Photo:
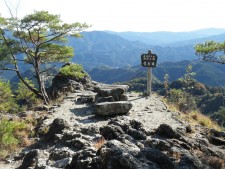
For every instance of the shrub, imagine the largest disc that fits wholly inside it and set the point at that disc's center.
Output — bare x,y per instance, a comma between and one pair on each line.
74,70
193,87
7,102
211,103
219,116
166,84
176,96
182,100
24,95
177,84
11,134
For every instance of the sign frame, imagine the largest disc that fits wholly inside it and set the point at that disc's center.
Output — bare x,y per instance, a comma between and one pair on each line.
149,59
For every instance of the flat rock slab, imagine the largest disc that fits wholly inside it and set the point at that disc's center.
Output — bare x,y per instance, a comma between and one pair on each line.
110,90
113,108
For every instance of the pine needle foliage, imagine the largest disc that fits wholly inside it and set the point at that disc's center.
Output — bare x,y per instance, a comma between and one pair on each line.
73,70
7,102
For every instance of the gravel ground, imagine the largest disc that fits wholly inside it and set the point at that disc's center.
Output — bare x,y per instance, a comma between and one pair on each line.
151,111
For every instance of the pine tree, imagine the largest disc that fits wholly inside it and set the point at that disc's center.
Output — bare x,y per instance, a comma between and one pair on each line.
40,38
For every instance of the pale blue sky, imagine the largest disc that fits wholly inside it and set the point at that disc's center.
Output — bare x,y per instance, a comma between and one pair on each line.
131,15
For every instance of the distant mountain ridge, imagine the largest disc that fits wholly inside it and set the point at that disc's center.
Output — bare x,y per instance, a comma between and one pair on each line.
165,37
99,48
211,74
218,38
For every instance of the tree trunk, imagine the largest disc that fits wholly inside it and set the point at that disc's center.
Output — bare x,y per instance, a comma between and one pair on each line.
41,84
43,91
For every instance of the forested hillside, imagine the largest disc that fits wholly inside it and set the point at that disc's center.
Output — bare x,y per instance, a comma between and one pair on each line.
100,48
211,74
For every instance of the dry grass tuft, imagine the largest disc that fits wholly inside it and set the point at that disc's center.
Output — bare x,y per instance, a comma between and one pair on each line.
99,143
214,162
198,118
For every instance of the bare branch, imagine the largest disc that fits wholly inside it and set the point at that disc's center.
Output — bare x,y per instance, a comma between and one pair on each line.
46,70
10,11
17,7
213,60
9,69
20,60
30,36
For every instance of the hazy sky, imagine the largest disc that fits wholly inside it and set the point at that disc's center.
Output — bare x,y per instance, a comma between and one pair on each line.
131,15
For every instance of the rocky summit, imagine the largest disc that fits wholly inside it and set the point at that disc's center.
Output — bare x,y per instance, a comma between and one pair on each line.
105,127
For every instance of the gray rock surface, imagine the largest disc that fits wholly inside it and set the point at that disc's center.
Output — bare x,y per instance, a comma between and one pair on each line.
113,108
57,127
111,92
149,136
62,85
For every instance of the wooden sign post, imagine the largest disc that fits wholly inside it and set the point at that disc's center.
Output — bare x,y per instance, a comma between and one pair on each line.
149,60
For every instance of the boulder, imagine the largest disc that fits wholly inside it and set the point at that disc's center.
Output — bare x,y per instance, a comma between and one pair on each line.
116,91
113,108
84,159
29,159
158,157
118,160
105,99
109,90
159,144
167,131
117,155
110,132
136,134
190,161
61,153
217,141
57,127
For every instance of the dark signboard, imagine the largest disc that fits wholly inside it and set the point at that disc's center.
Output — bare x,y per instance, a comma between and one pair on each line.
149,59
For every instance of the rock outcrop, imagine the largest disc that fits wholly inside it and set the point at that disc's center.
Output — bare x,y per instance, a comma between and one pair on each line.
62,84
126,144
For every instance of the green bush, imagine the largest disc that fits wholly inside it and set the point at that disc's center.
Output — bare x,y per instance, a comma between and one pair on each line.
7,102
8,134
176,96
24,95
193,87
211,103
219,116
73,70
182,100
